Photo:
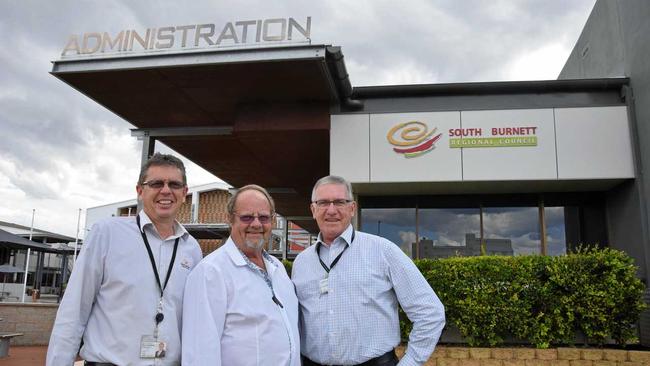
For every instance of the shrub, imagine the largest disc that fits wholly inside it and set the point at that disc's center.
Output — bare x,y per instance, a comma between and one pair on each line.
542,300
287,266
598,287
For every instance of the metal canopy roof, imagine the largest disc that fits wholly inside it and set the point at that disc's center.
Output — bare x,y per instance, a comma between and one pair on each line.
9,240
245,115
208,231
38,235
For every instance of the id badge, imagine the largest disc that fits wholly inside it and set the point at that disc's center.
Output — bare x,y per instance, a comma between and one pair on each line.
150,347
323,284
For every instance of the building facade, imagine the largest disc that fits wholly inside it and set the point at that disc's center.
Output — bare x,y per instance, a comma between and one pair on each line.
508,168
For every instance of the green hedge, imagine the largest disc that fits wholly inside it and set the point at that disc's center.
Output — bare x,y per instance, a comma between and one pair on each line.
538,299
287,265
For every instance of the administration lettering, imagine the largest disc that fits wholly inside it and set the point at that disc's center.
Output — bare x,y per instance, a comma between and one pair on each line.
190,36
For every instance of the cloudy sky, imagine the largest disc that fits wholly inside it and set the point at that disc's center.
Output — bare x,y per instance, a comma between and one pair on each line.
60,151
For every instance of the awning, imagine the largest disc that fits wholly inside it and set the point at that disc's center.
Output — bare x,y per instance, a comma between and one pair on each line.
9,240
254,115
208,231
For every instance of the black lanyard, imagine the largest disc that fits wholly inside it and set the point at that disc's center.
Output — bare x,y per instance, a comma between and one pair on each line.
325,267
153,262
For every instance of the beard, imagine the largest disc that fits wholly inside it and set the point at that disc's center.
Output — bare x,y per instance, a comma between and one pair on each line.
252,244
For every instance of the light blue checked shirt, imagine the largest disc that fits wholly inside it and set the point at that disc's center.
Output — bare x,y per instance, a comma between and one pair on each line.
356,319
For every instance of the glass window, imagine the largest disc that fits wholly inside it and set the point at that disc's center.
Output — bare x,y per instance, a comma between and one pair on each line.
511,230
446,232
299,239
555,230
446,226
394,224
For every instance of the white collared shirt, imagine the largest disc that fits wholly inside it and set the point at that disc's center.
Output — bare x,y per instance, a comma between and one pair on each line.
230,319
112,295
356,319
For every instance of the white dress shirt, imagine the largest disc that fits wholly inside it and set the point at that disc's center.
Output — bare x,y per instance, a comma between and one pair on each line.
230,319
112,295
357,319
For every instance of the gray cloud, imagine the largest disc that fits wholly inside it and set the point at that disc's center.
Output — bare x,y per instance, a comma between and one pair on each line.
60,149
463,40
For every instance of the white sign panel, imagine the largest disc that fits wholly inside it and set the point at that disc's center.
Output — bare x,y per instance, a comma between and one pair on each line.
350,147
500,145
593,143
413,147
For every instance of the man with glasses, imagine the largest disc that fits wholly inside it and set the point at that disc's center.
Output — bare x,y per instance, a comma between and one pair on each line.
240,307
124,297
349,285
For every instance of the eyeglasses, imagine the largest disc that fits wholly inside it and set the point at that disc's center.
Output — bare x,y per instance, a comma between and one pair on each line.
263,219
326,203
159,184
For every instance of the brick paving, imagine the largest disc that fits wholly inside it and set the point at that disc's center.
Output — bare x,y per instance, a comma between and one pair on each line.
27,356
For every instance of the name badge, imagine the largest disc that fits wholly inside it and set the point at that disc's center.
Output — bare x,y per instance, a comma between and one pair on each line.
323,284
151,347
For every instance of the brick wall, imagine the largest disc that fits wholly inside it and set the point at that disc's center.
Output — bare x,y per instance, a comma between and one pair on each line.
185,212
212,206
209,245
35,321
466,356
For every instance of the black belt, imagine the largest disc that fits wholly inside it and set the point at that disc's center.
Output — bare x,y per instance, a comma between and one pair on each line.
89,363
387,359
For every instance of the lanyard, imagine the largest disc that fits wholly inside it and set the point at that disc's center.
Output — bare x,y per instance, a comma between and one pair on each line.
159,315
325,267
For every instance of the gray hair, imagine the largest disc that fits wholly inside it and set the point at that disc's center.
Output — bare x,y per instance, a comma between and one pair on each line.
332,179
159,159
250,187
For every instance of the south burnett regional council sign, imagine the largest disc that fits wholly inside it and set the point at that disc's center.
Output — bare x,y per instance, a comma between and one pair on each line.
499,137
415,139
237,33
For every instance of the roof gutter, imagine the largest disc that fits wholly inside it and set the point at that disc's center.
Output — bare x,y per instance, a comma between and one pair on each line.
503,87
337,69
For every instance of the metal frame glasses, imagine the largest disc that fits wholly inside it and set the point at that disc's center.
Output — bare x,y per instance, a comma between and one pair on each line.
323,204
263,219
159,184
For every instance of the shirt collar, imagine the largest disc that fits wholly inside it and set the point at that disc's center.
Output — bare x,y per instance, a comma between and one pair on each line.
239,258
346,236
179,230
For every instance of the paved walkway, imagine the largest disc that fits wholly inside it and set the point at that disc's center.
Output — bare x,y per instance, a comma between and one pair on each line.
25,356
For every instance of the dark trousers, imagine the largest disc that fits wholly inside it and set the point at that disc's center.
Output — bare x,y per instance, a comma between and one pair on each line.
387,359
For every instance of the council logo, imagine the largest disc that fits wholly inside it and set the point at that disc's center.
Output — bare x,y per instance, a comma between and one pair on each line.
412,138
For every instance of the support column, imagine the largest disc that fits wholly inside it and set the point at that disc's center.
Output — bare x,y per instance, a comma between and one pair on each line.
148,147
285,232
38,275
62,278
194,217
